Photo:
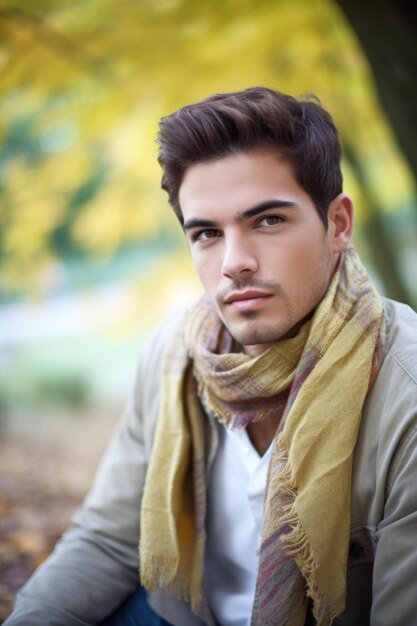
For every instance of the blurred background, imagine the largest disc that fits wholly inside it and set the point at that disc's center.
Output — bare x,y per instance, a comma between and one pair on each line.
91,256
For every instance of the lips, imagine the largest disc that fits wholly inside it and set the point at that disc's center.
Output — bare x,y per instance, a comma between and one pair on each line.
246,295
247,300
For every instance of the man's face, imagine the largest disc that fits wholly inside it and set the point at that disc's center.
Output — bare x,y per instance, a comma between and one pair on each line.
259,247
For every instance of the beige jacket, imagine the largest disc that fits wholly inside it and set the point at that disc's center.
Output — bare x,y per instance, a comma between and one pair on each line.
95,565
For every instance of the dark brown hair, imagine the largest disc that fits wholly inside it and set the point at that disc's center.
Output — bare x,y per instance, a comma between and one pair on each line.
223,124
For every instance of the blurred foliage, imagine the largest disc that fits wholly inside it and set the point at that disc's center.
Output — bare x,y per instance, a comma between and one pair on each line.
79,350
45,391
83,86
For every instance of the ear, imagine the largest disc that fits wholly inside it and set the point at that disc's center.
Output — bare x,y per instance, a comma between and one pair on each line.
340,218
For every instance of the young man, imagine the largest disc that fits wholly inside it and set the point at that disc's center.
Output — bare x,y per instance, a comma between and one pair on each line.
269,453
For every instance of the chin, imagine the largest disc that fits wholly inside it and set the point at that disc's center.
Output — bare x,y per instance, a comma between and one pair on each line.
256,333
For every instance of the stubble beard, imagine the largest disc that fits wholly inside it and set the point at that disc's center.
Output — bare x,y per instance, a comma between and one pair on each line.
249,329
255,332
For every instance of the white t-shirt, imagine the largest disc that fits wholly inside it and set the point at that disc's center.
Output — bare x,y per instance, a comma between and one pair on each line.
234,523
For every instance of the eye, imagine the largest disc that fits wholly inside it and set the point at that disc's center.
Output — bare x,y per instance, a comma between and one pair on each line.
205,235
270,220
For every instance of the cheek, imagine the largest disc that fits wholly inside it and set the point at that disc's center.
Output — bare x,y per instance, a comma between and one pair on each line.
205,268
305,269
289,262
317,273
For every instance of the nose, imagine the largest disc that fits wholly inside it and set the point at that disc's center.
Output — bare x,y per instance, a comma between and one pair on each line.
238,258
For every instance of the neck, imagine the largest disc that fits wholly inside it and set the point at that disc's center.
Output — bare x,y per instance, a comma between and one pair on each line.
262,433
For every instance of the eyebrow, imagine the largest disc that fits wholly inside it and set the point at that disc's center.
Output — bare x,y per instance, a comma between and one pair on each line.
264,206
242,215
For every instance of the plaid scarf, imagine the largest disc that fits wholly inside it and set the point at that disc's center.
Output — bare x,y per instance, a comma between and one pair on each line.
324,374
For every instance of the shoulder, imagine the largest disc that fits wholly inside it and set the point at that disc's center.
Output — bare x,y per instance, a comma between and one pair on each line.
389,420
149,370
393,398
400,339
387,438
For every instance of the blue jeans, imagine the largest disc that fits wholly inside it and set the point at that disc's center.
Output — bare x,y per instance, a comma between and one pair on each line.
135,611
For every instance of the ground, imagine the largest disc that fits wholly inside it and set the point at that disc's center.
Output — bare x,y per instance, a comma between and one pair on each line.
45,472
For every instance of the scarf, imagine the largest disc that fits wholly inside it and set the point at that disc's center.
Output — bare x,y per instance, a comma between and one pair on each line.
323,374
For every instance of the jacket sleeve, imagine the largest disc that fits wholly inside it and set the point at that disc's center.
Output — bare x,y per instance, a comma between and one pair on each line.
94,567
395,565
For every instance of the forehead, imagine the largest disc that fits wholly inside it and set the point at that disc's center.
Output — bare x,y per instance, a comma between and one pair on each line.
238,180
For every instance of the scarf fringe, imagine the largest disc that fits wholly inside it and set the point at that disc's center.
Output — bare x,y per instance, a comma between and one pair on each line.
161,573
157,571
296,542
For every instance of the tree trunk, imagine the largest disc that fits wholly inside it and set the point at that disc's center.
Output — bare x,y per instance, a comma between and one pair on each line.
387,30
